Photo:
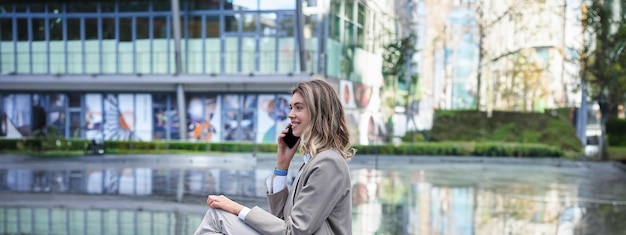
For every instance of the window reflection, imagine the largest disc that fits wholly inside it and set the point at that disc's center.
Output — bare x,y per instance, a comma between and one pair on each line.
160,27
231,23
39,32
277,5
243,4
249,22
6,29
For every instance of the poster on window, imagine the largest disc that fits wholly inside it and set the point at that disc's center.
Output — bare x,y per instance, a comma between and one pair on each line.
346,93
119,118
231,110
248,118
15,118
93,116
202,118
272,117
212,112
143,117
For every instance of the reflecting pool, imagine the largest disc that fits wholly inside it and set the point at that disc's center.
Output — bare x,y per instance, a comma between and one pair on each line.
408,195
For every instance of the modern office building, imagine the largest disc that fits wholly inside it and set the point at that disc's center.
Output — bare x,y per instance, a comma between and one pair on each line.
199,70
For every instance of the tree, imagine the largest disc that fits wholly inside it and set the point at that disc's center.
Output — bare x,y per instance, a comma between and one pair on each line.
488,18
397,57
603,61
524,84
483,25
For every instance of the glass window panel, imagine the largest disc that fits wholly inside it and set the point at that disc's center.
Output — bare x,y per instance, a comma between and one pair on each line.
248,118
22,29
38,115
134,6
56,29
349,9
126,30
213,26
277,5
20,7
335,28
37,7
174,121
310,26
73,29
163,5
311,3
107,6
248,47
243,4
194,27
360,37
91,28
159,109
267,43
143,27
230,118
286,26
39,31
250,22
6,7
231,51
108,28
361,15
348,33
160,27
268,24
204,5
57,101
335,7
6,29
75,125
55,7
84,6
56,116
231,22
74,100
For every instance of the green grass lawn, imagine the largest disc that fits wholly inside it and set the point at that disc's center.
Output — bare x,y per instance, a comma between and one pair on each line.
617,152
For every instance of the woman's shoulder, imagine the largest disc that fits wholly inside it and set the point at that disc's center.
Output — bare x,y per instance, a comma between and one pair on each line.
330,155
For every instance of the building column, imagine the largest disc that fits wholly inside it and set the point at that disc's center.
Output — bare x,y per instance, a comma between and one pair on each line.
180,93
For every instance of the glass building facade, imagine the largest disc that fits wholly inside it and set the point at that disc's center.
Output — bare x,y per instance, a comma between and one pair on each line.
108,69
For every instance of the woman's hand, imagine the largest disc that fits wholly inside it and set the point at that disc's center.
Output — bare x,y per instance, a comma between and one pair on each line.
224,203
285,154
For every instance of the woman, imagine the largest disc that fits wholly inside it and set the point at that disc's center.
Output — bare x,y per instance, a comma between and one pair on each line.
320,199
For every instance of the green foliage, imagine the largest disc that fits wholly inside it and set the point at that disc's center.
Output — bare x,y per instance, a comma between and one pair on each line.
617,153
507,127
488,149
412,137
616,132
603,57
397,53
24,146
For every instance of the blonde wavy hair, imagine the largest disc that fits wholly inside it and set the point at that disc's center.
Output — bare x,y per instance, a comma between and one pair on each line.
327,128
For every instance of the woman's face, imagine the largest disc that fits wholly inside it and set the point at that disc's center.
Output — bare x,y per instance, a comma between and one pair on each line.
299,114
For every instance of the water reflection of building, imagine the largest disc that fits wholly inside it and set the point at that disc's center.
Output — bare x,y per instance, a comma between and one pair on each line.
135,181
418,199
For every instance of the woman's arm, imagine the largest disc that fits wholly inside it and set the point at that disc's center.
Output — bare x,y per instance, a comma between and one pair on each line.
321,186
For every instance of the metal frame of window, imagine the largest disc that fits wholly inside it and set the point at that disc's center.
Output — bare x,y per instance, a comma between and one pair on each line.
99,15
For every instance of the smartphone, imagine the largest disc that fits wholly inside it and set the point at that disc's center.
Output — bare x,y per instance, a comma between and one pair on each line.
290,139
